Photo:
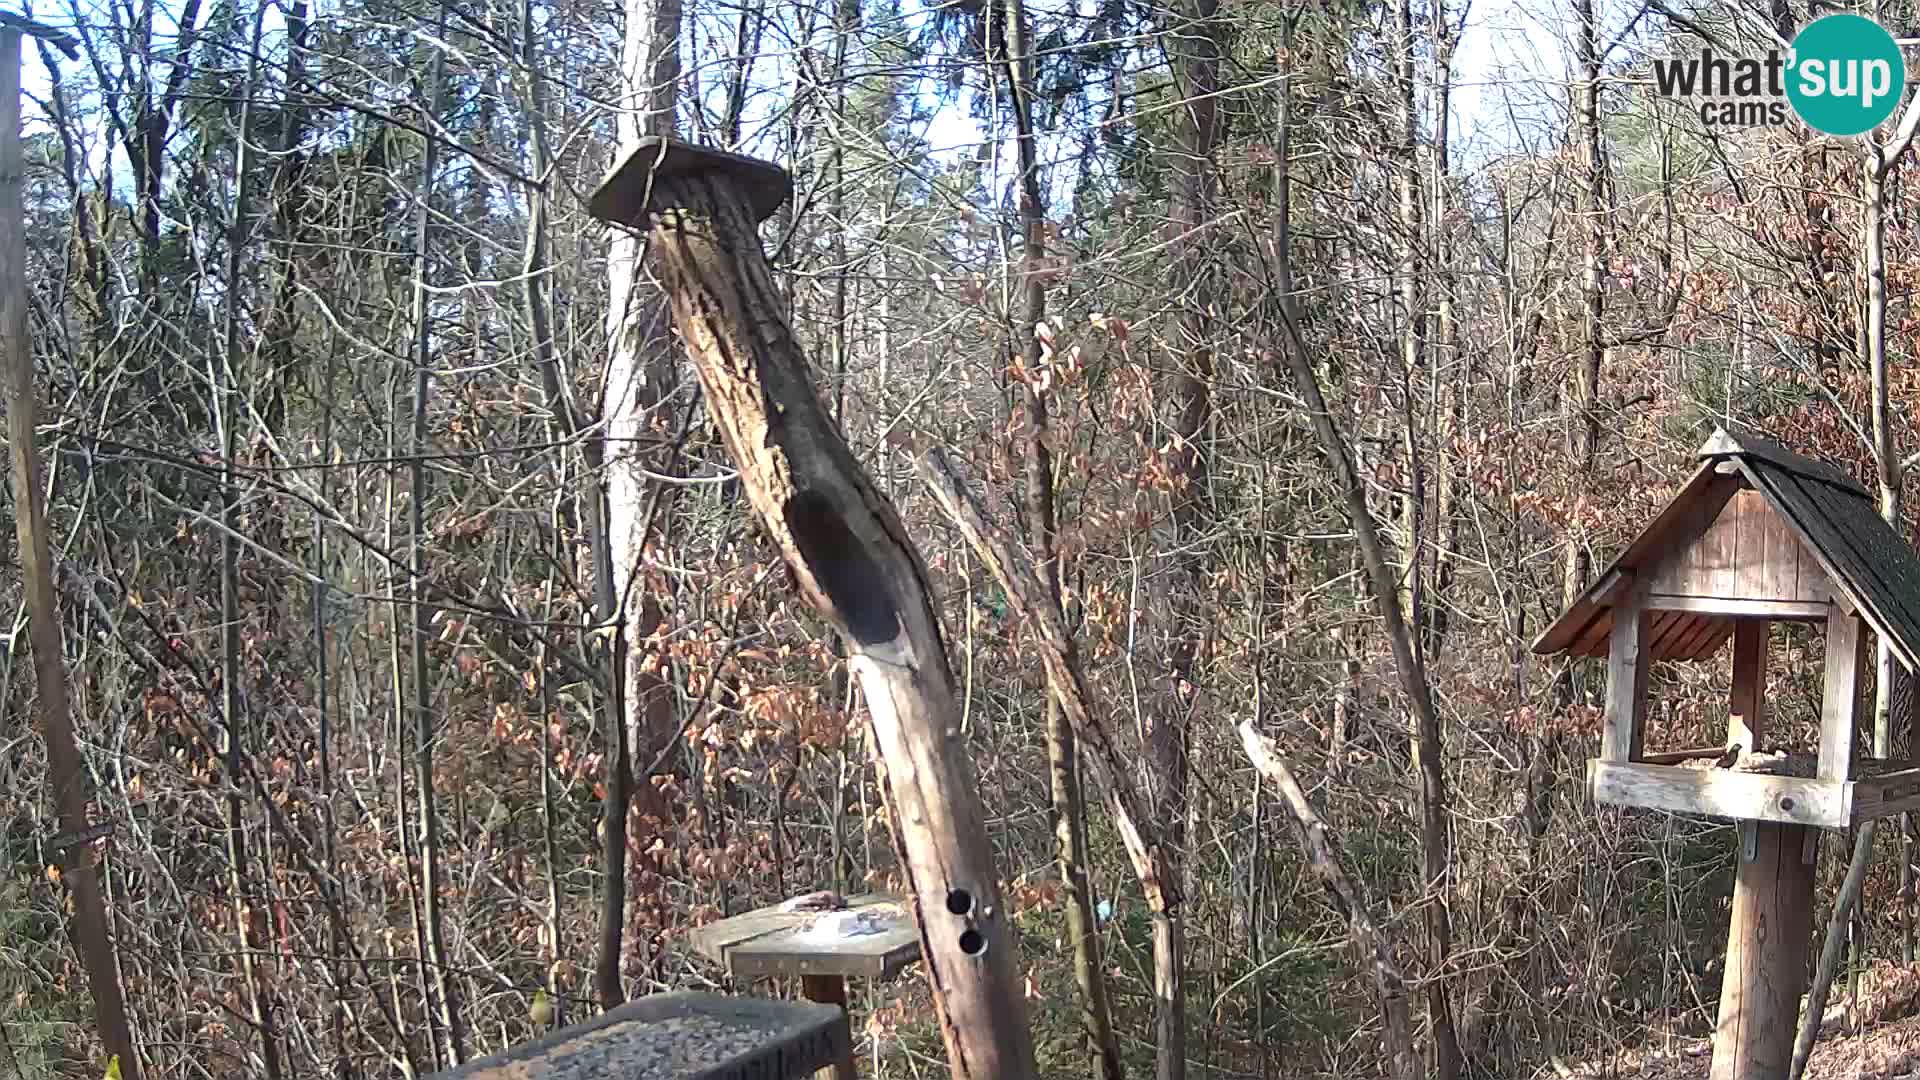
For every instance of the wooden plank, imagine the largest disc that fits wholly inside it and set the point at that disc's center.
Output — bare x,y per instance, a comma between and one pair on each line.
1627,664
1664,630
1840,695
1766,966
1674,757
1699,630
1745,710
1721,793
1886,795
722,938
1719,630
1780,610
1593,637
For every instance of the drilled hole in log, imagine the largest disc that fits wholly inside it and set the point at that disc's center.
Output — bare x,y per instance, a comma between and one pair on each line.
960,902
972,942
843,567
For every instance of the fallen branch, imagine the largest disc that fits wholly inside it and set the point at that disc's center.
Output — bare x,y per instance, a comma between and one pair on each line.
1323,858
1830,952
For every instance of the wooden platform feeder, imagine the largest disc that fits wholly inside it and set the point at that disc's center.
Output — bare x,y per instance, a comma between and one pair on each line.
682,1036
1758,535
872,937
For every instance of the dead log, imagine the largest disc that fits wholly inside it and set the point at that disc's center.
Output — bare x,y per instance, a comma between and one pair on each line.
1323,857
850,559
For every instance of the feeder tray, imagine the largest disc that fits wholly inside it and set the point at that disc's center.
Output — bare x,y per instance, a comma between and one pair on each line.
680,1036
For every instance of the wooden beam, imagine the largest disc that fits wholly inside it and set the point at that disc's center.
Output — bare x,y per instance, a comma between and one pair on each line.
1767,942
1721,793
1612,586
1886,795
1840,695
1675,757
1628,659
1779,610
1745,711
830,990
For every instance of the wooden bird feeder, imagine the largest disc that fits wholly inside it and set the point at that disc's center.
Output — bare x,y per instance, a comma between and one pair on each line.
771,941
1758,535
680,1036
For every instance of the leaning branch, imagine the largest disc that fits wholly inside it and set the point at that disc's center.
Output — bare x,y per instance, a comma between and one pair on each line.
1323,858
1037,606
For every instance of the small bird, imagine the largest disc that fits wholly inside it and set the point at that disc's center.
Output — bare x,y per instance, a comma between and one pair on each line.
113,1068
1730,757
541,1010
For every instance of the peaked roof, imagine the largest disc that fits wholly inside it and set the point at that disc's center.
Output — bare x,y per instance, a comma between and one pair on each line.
1868,564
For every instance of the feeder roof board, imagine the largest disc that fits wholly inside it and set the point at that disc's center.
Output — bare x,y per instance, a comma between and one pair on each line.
1864,563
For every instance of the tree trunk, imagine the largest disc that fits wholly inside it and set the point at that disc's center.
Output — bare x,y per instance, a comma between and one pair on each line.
1068,806
1584,436
1430,777
852,562
1193,50
249,911
638,712
441,1004
87,928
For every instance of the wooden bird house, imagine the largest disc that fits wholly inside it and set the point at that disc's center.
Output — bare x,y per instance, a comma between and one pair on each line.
1758,535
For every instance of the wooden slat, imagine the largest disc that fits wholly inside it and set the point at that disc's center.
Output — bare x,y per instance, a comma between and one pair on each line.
1593,639
1781,610
1664,629
1701,630
1627,662
1718,631
1746,708
1674,757
1721,793
1840,695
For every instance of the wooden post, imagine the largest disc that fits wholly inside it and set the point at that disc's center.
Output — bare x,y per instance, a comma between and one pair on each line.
87,926
1767,946
1628,658
850,560
830,990
1746,711
1840,695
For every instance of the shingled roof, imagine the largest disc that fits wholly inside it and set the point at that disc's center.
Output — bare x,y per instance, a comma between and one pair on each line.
1832,515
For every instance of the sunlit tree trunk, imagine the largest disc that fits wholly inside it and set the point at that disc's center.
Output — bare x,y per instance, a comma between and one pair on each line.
639,379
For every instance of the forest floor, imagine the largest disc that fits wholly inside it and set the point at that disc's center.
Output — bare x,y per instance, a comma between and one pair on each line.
1886,1047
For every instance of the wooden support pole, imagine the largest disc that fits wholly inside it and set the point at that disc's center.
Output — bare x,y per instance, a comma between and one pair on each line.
1840,695
830,990
1767,946
850,560
1746,711
1628,658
